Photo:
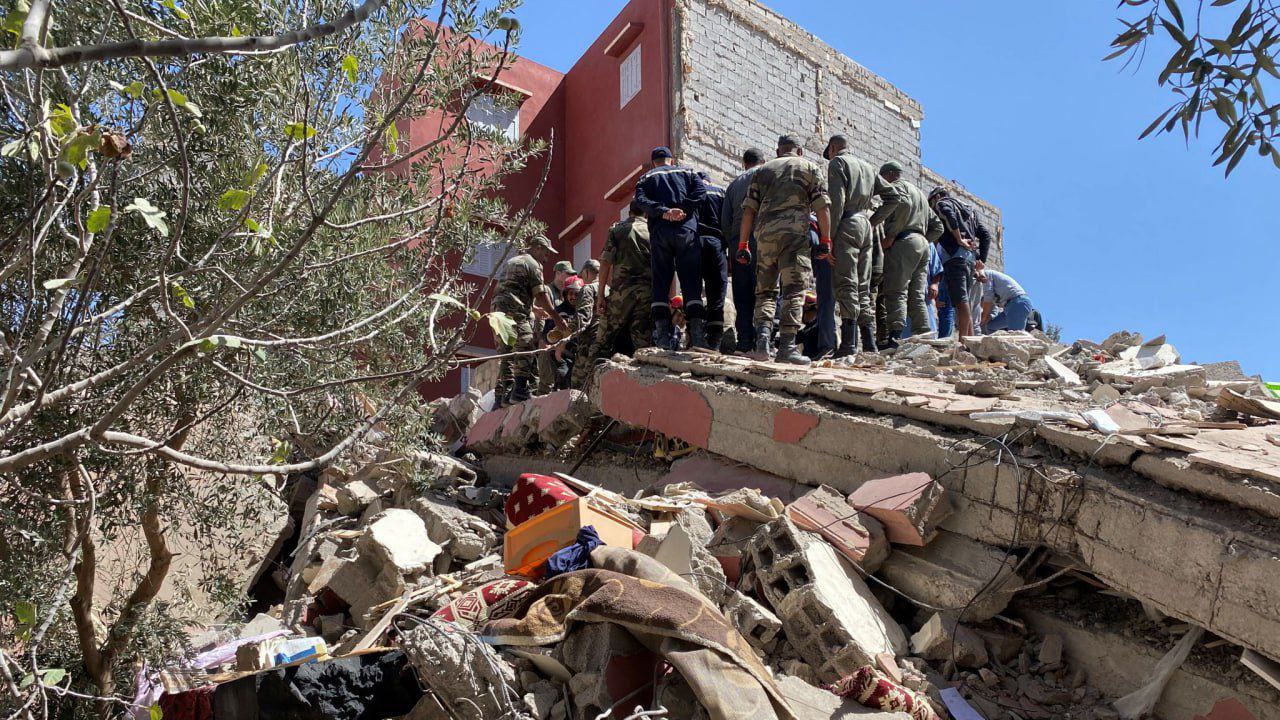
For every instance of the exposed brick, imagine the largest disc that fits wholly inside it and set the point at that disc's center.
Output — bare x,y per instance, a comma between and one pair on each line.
910,506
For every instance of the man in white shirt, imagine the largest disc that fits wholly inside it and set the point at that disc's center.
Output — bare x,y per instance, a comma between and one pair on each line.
999,291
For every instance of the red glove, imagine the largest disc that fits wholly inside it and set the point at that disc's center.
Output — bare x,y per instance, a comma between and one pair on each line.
824,248
744,254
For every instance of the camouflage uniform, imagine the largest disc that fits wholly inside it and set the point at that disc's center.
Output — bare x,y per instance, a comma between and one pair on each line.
783,193
853,184
586,327
521,282
628,303
911,224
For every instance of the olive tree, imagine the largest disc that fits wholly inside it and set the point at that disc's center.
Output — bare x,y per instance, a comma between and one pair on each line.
1222,66
224,261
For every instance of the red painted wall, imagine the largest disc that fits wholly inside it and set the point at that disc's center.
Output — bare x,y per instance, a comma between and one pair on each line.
604,142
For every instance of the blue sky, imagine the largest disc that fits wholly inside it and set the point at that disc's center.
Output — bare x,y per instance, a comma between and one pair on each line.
1104,231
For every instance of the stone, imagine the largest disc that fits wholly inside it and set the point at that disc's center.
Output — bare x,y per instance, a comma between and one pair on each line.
608,664
828,613
540,698
954,573
754,622
910,506
1050,654
1104,394
398,538
463,673
853,533
466,536
331,627
728,543
1007,347
984,388
261,624
355,496
814,703
1002,646
946,640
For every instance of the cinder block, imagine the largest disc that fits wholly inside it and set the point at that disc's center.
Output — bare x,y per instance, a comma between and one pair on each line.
754,621
827,611
910,506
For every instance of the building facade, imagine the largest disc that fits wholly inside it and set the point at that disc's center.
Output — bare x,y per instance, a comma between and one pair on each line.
709,78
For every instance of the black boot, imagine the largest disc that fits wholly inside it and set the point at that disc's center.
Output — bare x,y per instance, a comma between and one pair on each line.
787,352
663,334
520,392
848,340
697,333
715,337
764,341
868,335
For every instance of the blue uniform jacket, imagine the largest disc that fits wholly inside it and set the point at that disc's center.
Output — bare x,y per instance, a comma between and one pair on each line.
671,186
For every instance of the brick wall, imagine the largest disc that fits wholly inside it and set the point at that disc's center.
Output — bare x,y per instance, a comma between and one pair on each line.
745,74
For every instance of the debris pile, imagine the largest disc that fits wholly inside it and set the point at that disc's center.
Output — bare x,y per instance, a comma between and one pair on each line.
419,586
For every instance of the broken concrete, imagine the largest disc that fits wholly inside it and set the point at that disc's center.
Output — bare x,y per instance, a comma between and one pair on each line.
399,540
464,535
827,611
910,506
948,641
552,419
855,534
954,573
1073,492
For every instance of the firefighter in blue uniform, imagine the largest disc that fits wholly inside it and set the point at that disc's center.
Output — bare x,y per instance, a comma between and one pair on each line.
670,195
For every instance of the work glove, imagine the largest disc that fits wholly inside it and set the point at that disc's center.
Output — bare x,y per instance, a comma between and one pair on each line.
824,249
744,254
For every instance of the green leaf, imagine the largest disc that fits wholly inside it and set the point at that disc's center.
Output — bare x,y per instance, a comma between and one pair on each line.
508,23
299,131
12,148
182,14
234,199
351,67
390,136
235,31
151,215
57,283
257,173
14,20
181,295
282,450
98,219
156,713
61,122
134,89
77,151
260,353
232,341
27,680
52,676
181,101
25,612
503,327
1176,12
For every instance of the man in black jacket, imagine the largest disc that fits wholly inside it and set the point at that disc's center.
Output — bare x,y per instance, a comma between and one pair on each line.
963,247
670,195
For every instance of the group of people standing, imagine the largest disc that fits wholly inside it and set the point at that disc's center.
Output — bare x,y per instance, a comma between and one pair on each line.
797,240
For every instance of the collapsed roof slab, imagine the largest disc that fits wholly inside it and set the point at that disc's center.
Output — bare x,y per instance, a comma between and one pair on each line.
1206,561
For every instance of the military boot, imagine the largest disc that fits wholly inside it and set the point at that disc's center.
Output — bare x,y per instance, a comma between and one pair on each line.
715,337
868,335
663,334
764,341
697,333
848,340
520,392
788,353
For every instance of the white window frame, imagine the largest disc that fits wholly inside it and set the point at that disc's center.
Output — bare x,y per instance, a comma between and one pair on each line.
465,379
630,76
484,112
585,240
488,259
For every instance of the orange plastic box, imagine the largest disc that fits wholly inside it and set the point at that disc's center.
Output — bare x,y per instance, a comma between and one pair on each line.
530,543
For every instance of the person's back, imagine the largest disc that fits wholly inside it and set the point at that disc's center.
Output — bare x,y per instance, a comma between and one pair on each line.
785,190
734,196
1000,291
1001,288
521,278
906,210
627,249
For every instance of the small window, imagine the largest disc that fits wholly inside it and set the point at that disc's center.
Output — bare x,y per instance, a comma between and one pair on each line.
582,252
629,77
466,379
488,258
489,112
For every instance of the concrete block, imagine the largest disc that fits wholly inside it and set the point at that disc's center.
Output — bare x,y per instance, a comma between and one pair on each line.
855,534
608,665
950,572
910,506
942,640
398,539
355,496
827,611
553,419
754,622
466,536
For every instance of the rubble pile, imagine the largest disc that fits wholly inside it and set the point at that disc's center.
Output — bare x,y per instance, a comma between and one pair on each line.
419,586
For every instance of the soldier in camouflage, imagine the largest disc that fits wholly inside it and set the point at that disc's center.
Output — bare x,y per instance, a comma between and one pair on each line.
519,291
909,226
586,326
625,295
852,184
783,193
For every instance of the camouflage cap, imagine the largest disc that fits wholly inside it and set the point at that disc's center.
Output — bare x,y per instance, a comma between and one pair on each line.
541,241
564,266
891,166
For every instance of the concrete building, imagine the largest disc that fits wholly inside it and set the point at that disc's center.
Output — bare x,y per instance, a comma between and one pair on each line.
676,72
